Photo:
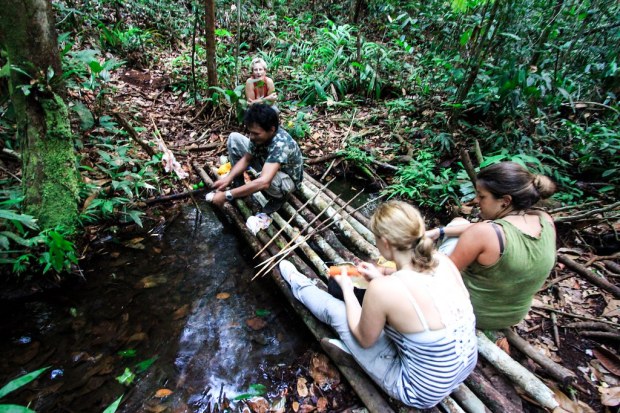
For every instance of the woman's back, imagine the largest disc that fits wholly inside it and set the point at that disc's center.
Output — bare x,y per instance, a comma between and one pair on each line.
432,324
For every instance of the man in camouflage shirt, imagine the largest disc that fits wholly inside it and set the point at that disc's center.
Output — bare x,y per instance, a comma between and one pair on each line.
271,151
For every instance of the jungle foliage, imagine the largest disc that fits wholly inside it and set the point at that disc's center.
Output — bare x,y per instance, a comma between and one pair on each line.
527,80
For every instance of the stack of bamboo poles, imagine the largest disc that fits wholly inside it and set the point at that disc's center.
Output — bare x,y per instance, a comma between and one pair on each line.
319,229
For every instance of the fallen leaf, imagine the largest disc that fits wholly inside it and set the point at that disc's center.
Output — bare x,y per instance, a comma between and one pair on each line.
610,396
151,281
321,404
323,372
305,408
256,323
612,309
608,359
295,406
302,389
222,296
138,337
503,344
161,393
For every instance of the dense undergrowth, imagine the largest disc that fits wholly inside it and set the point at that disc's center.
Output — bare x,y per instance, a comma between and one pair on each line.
519,80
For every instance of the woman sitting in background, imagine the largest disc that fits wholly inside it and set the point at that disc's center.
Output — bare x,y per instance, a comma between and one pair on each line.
506,258
414,334
259,88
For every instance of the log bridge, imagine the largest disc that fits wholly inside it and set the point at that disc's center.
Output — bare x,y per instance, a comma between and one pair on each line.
314,227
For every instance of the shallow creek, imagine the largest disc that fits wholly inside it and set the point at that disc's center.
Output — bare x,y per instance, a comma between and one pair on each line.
183,299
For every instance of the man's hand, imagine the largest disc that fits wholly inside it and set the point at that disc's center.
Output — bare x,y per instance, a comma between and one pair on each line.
222,183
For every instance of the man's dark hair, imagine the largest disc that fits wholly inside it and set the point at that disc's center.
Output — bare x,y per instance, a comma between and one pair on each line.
262,115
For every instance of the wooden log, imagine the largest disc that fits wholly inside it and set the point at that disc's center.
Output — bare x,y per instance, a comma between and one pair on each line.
589,275
356,214
360,242
492,398
518,374
468,400
562,374
450,406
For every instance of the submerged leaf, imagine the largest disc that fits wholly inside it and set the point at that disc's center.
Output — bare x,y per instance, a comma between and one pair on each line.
20,381
161,393
112,408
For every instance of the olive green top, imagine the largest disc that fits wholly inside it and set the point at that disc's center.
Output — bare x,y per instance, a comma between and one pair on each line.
502,293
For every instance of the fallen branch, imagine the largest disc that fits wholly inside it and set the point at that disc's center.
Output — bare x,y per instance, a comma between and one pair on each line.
600,334
587,214
133,134
589,275
555,370
518,374
581,317
612,266
206,147
591,325
174,197
324,158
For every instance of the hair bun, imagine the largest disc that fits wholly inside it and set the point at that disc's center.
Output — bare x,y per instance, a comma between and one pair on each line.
544,185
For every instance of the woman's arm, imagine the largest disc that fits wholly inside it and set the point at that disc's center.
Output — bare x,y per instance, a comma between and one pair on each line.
449,231
365,322
478,241
249,91
272,96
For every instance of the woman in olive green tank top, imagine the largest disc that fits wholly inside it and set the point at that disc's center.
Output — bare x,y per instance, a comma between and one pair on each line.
506,258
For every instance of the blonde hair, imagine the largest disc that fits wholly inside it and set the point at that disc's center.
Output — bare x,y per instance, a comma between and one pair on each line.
258,60
403,226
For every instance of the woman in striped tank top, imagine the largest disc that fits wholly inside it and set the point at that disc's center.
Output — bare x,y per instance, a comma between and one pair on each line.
414,333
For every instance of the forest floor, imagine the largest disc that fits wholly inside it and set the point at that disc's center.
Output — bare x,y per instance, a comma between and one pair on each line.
582,336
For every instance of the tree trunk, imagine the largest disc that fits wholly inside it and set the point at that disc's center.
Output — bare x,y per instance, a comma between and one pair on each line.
478,55
210,34
49,172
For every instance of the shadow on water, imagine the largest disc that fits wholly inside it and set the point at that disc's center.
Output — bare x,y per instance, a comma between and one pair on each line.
185,300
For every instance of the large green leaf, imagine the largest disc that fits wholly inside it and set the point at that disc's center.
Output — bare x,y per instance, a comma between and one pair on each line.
20,381
14,408
112,408
27,220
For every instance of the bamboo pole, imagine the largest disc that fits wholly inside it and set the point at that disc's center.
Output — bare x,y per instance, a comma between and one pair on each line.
468,400
518,374
347,230
356,214
320,203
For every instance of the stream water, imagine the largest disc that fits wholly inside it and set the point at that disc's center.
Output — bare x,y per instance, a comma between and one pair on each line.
182,301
